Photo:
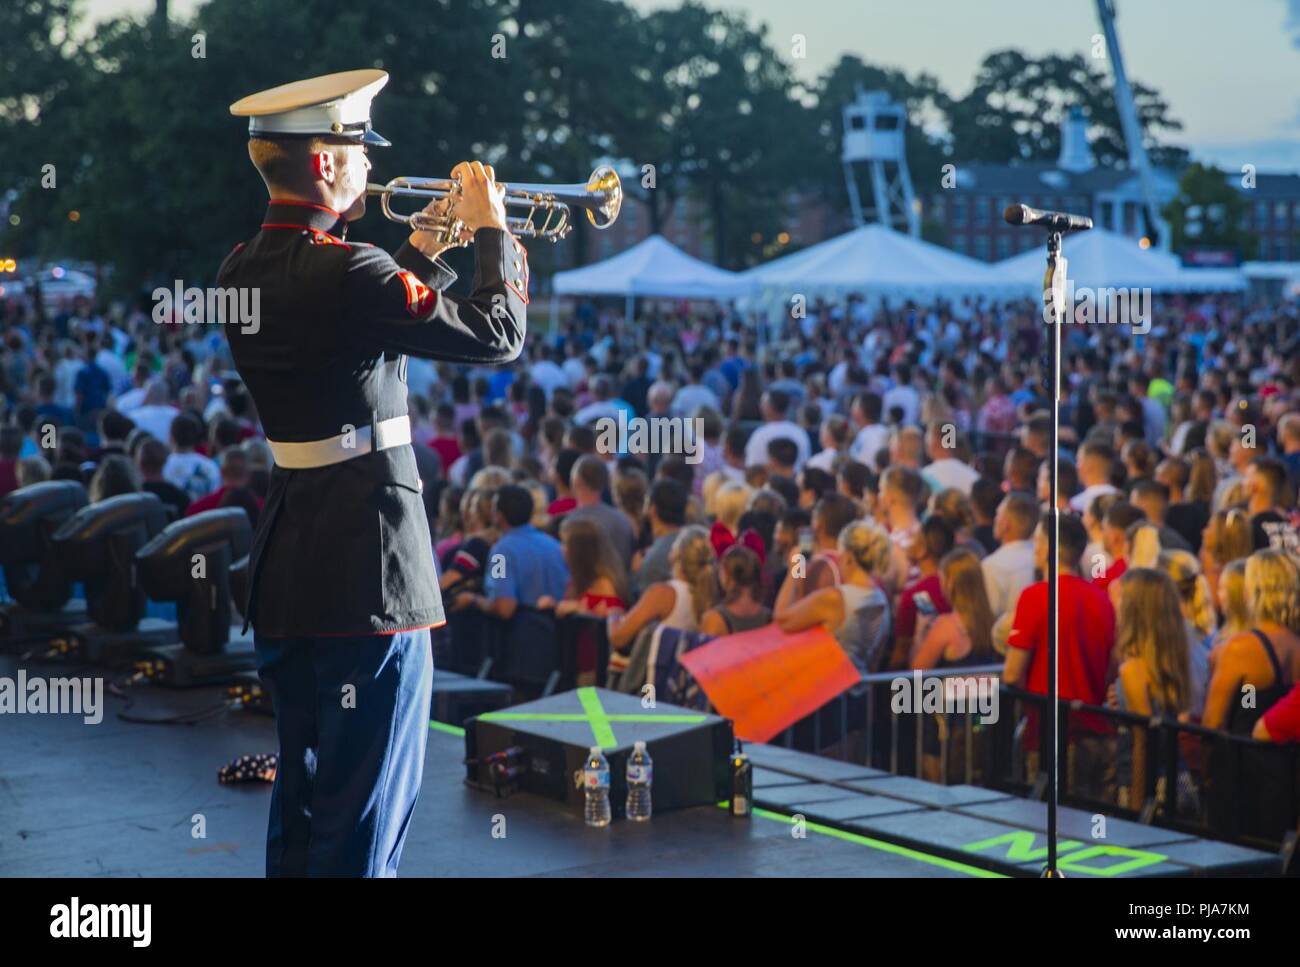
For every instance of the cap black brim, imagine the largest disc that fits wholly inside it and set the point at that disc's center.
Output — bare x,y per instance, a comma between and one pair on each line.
375,138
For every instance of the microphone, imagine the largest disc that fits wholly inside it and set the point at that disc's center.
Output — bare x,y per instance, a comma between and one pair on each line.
1054,221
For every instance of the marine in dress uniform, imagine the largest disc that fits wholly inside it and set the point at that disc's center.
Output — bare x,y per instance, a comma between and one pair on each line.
343,589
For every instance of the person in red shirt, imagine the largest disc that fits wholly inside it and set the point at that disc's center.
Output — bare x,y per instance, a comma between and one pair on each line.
234,474
1114,538
1281,723
1084,654
445,441
931,545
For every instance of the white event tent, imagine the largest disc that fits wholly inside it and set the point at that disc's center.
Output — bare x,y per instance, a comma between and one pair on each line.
875,260
653,268
1100,259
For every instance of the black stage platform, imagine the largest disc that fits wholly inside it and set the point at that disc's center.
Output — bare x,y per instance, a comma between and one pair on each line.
120,799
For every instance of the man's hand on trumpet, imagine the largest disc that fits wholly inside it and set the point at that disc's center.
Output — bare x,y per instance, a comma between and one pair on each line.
479,204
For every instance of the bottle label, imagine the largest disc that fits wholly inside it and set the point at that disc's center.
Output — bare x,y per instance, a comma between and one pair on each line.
596,778
637,774
740,805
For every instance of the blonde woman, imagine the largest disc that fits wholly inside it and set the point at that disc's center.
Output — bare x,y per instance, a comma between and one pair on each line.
679,602
856,611
1227,538
1141,549
964,635
1231,599
1193,591
1265,659
729,503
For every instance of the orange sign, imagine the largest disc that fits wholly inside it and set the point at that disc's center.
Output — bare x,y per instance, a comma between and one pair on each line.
765,680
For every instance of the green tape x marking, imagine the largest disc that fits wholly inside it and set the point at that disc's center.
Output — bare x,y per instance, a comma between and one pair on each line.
593,713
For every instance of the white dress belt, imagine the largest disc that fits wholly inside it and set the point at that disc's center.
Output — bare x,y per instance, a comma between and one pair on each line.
393,432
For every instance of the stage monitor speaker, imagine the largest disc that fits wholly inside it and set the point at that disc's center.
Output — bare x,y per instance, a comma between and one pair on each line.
538,747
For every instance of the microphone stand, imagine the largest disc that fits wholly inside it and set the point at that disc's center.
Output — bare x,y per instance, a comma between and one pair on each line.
1054,297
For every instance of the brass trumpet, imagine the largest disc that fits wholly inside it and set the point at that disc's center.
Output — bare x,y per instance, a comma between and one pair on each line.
601,198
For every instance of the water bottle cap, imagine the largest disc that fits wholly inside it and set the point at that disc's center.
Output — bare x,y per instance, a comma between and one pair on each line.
595,750
638,746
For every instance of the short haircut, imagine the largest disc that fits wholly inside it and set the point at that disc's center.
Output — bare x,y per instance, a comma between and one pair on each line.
871,405
564,461
515,504
857,477
1150,489
1023,511
835,512
1073,540
114,425
1273,471
669,499
736,438
783,451
592,472
675,467
152,455
1123,515
1023,465
985,495
818,481
186,430
903,480
779,400
787,488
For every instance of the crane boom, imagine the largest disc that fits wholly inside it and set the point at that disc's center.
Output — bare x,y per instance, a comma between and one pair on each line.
1157,229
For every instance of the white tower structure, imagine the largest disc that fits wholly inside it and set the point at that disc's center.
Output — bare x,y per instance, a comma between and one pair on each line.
874,126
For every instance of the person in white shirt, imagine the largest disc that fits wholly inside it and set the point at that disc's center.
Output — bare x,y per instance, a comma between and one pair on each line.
695,394
834,439
904,396
155,414
1010,569
1096,461
774,405
135,395
872,435
192,472
547,373
944,469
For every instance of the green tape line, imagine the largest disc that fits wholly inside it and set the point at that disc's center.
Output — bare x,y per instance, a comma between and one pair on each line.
883,846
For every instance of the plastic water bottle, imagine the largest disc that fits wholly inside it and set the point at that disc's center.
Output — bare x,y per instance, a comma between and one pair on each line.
595,780
640,776
742,783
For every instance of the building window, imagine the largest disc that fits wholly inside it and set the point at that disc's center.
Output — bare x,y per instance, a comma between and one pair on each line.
981,211
959,211
959,243
937,207
1261,214
1106,211
1004,247
1282,254
1280,212
982,247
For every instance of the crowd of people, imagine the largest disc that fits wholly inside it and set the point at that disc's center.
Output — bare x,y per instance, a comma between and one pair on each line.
876,471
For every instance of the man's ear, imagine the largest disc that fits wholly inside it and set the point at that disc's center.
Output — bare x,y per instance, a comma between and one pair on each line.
322,165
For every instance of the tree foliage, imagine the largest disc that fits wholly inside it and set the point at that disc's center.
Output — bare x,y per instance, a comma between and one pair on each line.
132,113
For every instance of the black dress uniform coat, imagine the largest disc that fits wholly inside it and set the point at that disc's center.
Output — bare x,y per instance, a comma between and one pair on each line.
344,549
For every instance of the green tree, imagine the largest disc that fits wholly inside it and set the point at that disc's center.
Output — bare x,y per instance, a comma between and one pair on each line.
1208,211
1015,108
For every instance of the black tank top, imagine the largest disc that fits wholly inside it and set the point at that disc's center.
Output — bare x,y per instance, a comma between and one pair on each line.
1242,721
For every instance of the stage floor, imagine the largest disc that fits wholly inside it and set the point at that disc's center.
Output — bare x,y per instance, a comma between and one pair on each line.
122,799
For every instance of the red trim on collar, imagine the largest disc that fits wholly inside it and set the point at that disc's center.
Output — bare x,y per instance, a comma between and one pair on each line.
304,204
316,233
